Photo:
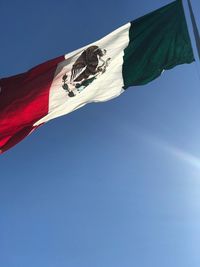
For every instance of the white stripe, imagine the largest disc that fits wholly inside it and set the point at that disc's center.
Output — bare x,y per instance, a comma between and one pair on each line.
105,87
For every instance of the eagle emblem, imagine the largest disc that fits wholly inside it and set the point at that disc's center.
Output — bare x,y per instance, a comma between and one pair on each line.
88,66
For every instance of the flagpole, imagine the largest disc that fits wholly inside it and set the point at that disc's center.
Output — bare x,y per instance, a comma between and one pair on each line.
195,29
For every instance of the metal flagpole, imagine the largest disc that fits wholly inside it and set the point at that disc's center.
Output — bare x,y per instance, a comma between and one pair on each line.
195,29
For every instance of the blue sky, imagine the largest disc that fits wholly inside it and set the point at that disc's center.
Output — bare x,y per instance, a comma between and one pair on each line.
115,184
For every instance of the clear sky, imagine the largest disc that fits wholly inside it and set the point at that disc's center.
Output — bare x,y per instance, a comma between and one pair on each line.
114,184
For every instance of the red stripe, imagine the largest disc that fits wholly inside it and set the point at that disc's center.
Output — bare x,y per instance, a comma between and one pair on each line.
23,101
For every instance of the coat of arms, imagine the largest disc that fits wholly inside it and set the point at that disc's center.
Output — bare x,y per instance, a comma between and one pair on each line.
88,66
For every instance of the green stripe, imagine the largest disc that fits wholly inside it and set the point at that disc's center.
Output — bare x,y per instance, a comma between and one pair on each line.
158,41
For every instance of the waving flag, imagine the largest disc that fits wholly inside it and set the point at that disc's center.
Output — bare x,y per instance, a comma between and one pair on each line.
134,54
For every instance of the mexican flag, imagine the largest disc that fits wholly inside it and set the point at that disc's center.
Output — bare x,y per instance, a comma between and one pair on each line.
133,54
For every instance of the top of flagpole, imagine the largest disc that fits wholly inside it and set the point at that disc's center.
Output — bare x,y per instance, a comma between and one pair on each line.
195,28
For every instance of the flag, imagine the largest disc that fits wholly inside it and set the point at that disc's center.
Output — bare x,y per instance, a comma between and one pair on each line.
133,54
